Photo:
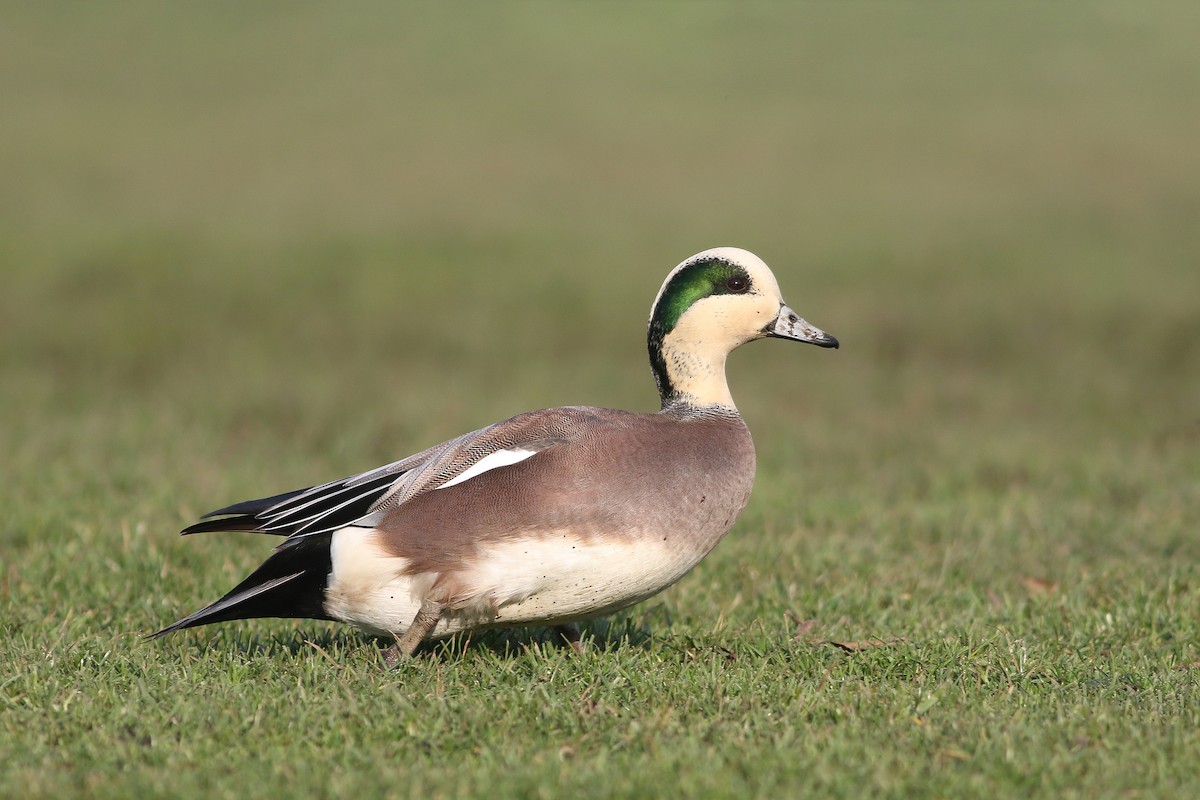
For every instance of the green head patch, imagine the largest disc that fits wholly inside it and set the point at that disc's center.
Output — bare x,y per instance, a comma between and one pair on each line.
711,276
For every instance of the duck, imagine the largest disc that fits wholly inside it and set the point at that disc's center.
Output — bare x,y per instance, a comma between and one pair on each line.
549,518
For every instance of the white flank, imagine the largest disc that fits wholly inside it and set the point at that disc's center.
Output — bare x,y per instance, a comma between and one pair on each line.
366,586
550,578
500,458
562,577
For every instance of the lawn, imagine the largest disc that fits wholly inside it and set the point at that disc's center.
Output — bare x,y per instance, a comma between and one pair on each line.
245,249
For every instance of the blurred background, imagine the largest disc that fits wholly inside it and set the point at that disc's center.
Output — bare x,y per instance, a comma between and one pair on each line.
249,247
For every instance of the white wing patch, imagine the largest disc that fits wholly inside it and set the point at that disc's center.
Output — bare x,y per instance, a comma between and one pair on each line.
500,458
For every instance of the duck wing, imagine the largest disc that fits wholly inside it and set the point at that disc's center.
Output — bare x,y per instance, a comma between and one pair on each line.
363,499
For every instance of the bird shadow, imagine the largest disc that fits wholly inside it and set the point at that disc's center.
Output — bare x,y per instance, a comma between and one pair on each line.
338,643
600,635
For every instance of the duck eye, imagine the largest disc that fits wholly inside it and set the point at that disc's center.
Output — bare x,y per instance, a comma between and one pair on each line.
737,284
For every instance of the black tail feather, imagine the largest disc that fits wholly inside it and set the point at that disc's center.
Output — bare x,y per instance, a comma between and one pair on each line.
246,522
242,516
330,509
252,507
289,584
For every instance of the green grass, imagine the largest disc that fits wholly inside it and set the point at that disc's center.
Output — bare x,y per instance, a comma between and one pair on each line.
247,249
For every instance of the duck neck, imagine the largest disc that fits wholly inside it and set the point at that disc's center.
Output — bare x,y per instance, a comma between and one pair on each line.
689,375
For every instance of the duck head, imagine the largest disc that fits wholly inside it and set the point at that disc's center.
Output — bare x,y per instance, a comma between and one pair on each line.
711,304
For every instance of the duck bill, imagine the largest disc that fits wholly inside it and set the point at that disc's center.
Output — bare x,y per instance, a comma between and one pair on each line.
789,325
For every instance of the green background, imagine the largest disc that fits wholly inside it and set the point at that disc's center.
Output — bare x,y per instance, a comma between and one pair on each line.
250,247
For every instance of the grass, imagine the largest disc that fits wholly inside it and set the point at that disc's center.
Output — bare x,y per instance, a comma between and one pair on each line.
246,249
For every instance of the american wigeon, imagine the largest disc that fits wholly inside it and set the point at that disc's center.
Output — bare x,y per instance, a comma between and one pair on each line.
548,518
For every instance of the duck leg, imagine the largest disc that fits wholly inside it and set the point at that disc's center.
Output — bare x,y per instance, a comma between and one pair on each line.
422,625
569,634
